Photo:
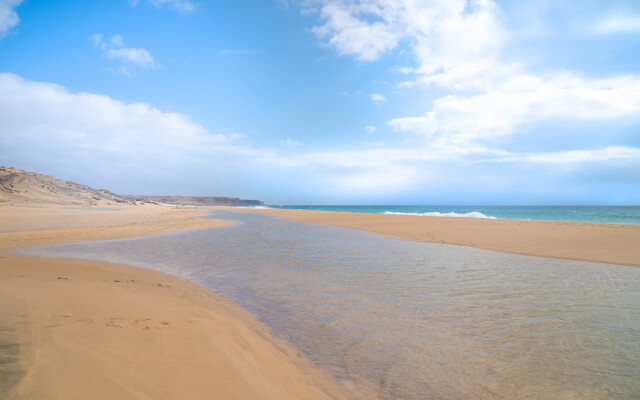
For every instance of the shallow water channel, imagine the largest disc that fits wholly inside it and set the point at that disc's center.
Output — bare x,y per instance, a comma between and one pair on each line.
395,319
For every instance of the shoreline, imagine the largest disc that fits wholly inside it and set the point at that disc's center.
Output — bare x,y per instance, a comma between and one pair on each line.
88,329
583,241
79,328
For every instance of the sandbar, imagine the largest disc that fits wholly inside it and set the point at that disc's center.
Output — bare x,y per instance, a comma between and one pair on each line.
603,243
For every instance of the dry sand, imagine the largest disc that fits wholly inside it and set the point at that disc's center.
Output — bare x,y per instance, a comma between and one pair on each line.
74,329
605,243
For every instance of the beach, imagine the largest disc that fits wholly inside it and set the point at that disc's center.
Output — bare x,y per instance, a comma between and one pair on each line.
319,199
604,243
84,329
74,328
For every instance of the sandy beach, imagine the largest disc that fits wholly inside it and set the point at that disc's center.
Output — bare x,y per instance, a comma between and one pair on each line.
604,243
319,199
85,329
82,329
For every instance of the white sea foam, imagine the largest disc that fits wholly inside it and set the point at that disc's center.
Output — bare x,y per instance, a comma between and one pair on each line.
259,207
472,214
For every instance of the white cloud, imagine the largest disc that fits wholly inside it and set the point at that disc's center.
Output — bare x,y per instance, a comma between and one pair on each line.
406,84
116,41
179,5
378,98
129,57
8,16
79,125
98,40
404,70
289,143
138,57
525,100
379,181
352,36
386,171
378,160
47,123
616,24
370,129
454,41
580,156
382,158
458,46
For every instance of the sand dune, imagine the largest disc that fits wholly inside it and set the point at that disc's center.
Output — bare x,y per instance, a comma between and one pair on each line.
18,187
24,188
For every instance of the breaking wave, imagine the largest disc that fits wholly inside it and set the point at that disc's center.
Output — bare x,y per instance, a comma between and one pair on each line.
472,214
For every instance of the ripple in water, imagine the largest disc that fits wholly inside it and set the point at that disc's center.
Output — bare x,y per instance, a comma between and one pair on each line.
404,320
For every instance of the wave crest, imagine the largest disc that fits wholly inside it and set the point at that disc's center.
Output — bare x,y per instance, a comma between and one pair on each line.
472,214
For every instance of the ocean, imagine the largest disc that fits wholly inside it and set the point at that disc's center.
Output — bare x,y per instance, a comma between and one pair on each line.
394,319
628,215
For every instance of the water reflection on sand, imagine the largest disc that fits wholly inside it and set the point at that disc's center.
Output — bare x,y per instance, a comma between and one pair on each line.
405,320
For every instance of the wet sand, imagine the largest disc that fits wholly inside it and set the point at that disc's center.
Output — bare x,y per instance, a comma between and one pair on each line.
604,243
84,329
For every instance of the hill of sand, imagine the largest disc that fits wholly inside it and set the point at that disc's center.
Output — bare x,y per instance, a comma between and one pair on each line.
18,187
199,201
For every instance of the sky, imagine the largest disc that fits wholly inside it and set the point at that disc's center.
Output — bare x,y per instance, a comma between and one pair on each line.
407,102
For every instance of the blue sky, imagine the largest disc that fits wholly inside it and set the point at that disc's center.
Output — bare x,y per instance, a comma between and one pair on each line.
327,101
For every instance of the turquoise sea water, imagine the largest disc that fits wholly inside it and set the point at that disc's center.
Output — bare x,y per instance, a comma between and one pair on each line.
628,215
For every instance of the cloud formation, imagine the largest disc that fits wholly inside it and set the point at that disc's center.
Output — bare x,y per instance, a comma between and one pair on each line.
44,124
458,46
289,143
8,15
378,98
616,24
349,35
526,99
179,5
128,57
89,125
453,41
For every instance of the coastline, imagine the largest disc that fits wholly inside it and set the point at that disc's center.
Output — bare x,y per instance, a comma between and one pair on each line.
602,243
87,329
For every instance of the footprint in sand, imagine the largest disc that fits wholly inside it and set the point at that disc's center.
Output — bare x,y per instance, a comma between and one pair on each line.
111,323
142,321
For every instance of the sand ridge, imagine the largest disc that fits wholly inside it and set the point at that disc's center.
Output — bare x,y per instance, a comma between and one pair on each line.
84,329
604,243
